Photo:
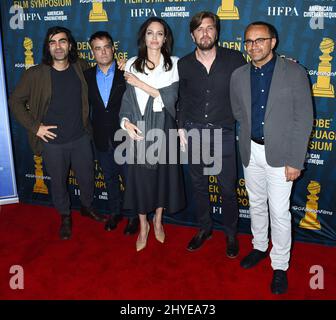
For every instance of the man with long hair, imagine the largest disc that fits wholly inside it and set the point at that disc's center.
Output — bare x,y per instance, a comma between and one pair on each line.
50,101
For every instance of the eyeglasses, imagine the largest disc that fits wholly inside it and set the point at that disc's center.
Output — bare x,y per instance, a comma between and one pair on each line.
258,42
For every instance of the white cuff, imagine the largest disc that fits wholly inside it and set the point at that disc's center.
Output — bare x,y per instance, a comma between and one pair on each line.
158,104
122,123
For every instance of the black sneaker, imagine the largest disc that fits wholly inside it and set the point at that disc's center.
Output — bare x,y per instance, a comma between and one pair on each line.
253,258
279,283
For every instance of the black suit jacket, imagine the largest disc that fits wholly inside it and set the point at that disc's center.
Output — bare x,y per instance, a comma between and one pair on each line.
105,121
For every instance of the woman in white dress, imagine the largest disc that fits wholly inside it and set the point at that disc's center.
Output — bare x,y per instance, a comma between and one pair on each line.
149,103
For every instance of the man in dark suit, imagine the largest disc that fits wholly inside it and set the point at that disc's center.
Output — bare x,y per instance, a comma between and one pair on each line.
271,99
106,86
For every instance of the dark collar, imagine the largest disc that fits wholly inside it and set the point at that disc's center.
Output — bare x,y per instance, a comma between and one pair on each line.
268,67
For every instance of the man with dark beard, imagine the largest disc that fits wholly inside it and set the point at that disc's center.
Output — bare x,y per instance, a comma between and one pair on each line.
204,107
50,101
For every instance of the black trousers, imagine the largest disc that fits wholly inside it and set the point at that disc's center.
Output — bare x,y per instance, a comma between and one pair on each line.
111,171
58,158
227,175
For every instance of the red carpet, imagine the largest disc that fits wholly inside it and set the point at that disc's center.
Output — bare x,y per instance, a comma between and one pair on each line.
96,264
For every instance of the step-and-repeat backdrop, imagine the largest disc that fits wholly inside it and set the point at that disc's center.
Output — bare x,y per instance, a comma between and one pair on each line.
307,31
8,193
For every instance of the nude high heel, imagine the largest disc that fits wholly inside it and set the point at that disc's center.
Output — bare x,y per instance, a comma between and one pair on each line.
159,233
140,245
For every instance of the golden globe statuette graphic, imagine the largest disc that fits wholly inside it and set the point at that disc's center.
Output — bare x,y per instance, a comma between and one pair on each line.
323,87
97,14
228,11
29,59
309,221
39,186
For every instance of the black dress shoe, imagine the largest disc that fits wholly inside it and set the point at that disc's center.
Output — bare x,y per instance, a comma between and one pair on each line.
132,226
66,227
279,283
232,247
92,214
198,240
253,258
112,222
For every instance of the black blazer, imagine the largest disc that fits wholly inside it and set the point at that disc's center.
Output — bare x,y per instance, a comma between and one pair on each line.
105,121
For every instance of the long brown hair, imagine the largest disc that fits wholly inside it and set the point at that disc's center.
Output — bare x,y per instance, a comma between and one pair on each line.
142,60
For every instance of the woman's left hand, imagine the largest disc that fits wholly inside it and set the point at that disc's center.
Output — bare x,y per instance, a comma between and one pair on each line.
132,79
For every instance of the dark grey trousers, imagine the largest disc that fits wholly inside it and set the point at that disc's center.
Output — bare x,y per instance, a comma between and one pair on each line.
226,177
58,159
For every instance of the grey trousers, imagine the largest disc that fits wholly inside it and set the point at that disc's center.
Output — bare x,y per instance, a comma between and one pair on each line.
58,159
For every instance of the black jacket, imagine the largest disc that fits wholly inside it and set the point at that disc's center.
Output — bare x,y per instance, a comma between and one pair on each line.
105,121
30,100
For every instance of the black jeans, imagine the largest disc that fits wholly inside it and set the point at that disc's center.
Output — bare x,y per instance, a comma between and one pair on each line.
226,176
111,171
58,158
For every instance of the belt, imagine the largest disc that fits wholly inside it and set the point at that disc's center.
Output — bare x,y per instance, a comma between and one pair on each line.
209,125
258,141
199,124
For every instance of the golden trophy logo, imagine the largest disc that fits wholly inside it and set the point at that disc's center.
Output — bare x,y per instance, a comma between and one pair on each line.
309,221
39,186
228,11
323,87
29,59
97,14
